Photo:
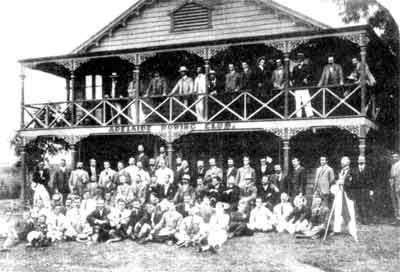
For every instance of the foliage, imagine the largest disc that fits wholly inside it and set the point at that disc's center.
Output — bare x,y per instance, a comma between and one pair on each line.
378,17
37,149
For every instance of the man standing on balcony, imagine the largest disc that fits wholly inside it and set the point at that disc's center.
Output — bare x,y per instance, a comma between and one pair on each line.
232,80
200,84
332,74
301,78
279,76
262,77
157,86
247,78
184,86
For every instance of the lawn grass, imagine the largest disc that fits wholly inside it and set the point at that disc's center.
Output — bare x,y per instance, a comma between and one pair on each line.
378,250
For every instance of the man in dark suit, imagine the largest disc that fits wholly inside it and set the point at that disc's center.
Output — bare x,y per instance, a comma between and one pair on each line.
262,78
297,181
199,172
215,189
184,170
42,176
61,178
98,220
231,194
361,187
265,169
167,190
268,192
247,78
231,171
278,178
142,157
232,80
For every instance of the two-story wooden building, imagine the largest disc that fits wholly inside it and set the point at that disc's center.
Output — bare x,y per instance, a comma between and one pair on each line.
108,75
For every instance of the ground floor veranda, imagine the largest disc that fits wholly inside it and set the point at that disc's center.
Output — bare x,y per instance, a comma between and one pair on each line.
307,139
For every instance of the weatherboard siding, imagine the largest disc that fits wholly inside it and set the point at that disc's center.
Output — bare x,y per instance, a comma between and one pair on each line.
230,19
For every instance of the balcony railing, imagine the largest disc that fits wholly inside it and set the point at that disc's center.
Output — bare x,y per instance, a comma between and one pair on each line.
325,102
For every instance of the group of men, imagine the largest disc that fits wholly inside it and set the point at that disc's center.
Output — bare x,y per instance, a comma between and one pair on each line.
203,207
262,81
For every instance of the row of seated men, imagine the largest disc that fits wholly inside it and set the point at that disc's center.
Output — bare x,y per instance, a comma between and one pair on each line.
204,223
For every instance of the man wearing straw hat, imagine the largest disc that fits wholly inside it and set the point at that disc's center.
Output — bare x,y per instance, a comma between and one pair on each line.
184,86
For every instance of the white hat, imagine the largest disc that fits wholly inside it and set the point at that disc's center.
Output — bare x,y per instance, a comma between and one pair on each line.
183,69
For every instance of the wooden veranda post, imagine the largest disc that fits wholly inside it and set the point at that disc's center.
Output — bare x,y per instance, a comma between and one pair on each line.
363,54
23,76
287,71
136,78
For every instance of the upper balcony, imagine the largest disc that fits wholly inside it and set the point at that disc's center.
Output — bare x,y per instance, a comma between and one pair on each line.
124,106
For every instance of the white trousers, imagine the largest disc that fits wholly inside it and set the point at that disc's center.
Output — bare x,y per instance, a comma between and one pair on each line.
303,97
200,107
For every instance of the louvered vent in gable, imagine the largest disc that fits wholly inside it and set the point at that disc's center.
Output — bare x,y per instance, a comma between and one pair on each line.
191,16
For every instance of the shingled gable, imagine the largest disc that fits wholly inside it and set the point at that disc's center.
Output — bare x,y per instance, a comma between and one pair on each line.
148,23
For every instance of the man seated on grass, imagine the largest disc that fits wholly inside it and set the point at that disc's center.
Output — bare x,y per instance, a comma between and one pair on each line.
78,228
215,233
318,222
135,216
238,223
165,230
98,220
119,219
17,229
58,224
189,229
37,237
299,218
184,207
261,218
281,212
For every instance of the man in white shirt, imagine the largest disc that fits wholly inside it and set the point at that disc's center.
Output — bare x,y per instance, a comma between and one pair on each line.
200,84
184,86
106,180
261,218
144,175
163,172
281,212
132,170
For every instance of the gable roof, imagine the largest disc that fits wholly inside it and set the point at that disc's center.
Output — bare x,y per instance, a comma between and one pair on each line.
141,4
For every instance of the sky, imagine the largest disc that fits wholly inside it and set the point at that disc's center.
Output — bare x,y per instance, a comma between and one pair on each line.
46,27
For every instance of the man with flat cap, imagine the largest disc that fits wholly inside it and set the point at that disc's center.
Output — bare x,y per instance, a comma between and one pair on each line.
184,86
301,78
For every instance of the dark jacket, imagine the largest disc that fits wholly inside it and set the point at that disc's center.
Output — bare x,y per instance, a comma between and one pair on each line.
231,196
60,180
297,182
247,80
300,73
43,178
95,215
144,159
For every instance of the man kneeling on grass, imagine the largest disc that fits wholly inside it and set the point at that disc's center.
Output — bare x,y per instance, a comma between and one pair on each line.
165,230
98,220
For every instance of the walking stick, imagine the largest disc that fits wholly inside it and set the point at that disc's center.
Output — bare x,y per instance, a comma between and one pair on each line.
330,218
